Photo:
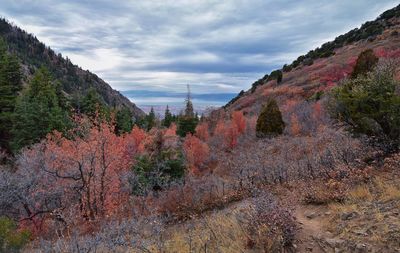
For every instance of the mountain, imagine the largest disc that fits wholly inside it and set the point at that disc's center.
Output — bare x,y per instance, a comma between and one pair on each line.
74,80
310,75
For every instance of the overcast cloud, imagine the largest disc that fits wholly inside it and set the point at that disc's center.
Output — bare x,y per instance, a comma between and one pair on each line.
216,46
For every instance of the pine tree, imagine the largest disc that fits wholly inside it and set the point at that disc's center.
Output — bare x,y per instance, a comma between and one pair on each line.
168,117
151,119
188,121
10,86
124,122
189,112
38,111
366,62
270,122
92,104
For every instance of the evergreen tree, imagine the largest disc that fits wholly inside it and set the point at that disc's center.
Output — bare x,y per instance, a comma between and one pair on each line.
270,122
10,86
188,121
124,122
92,104
151,119
366,62
38,111
168,117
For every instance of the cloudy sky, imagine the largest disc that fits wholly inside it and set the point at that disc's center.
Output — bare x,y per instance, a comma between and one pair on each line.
150,49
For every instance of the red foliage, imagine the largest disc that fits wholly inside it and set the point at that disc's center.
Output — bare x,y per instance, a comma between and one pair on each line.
229,132
382,52
295,125
202,131
239,120
317,111
196,152
91,166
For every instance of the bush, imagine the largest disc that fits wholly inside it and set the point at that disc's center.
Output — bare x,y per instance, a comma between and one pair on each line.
276,75
370,104
270,122
11,240
365,63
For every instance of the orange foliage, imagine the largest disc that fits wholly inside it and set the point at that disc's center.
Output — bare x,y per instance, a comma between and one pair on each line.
202,131
196,152
229,132
239,120
295,125
91,166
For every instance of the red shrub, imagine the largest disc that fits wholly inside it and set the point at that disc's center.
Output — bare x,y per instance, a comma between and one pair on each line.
196,152
239,120
202,131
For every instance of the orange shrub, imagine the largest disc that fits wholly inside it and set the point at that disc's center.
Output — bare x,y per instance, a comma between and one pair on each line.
239,120
201,131
196,152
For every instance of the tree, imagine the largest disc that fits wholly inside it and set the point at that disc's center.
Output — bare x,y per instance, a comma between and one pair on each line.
151,119
168,117
196,152
270,122
370,104
38,111
276,75
124,122
229,133
239,120
188,121
189,112
365,63
10,86
202,131
93,106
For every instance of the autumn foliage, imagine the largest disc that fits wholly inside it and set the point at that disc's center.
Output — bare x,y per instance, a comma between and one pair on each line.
196,152
202,131
239,121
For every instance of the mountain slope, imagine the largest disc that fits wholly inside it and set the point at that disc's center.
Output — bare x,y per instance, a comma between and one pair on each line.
321,69
75,81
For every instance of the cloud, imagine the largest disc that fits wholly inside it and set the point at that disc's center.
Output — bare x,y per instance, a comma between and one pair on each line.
162,45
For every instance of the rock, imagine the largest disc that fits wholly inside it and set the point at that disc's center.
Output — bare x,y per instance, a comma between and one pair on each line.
349,215
362,232
311,215
334,243
327,213
361,247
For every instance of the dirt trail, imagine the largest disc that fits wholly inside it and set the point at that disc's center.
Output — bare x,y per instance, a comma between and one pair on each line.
312,233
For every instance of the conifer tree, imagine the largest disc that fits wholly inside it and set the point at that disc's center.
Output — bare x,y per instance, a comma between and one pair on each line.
270,122
38,111
188,121
168,117
151,119
124,122
10,86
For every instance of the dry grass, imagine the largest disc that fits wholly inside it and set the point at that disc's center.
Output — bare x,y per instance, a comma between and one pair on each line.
388,190
360,193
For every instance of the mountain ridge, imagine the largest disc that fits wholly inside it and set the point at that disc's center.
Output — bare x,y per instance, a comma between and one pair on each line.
74,80
381,35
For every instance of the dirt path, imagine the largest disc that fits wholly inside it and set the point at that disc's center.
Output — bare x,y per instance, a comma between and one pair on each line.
311,222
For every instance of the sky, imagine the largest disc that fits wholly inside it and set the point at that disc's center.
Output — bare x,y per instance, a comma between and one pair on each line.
151,50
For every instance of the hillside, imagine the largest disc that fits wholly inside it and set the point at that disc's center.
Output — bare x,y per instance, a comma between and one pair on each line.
33,54
321,69
315,170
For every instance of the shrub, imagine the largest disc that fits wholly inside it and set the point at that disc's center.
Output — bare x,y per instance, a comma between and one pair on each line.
370,105
269,122
196,152
276,75
365,63
11,240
